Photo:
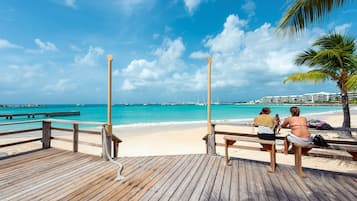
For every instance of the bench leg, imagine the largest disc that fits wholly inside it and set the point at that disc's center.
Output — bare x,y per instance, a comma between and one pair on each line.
272,159
298,160
226,145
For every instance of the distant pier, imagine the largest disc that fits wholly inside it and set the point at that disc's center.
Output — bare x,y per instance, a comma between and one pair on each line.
46,114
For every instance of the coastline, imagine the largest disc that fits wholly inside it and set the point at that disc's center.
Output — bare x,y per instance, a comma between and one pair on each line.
177,138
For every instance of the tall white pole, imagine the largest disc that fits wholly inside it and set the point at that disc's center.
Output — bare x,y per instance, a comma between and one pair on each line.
209,127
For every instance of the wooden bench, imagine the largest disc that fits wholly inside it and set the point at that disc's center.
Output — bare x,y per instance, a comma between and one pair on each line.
268,145
300,150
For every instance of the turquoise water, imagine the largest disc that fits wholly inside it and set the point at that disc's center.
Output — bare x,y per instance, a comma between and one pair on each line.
139,114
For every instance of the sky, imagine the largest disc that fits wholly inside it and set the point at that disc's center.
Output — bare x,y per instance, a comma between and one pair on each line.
55,51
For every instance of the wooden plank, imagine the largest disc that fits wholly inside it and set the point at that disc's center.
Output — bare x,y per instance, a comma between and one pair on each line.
274,187
86,190
184,179
75,122
79,142
107,185
206,193
20,142
140,178
152,191
190,187
250,182
287,188
216,190
226,186
131,180
57,188
196,194
234,189
11,176
340,188
302,185
328,186
268,185
259,181
159,174
12,161
70,189
344,182
256,181
45,177
316,179
242,185
79,130
300,195
20,131
22,169
174,177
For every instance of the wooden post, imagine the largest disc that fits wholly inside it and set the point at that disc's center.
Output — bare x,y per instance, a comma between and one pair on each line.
211,139
209,61
106,143
108,128
75,137
46,134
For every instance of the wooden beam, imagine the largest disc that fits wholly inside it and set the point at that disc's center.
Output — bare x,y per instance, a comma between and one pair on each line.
21,142
20,131
46,135
75,137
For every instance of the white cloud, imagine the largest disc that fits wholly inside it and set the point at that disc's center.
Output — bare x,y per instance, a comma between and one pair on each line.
75,48
70,3
199,55
167,62
43,47
244,58
241,58
61,86
116,73
342,29
7,44
46,46
249,7
231,38
191,5
90,59
170,51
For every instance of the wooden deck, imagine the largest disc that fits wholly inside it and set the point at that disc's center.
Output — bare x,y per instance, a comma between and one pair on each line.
55,174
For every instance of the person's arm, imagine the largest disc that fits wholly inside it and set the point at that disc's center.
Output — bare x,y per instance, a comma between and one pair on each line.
285,123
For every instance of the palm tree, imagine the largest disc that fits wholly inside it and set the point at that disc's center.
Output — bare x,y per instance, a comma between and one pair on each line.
304,12
333,58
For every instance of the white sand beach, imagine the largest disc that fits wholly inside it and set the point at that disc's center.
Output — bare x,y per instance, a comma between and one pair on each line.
177,139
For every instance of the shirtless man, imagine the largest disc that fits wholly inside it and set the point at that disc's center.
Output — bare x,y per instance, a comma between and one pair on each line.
299,132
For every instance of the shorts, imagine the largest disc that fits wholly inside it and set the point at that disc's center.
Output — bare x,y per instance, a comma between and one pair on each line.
266,136
294,139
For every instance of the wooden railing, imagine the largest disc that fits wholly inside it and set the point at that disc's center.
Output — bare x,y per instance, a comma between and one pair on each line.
47,127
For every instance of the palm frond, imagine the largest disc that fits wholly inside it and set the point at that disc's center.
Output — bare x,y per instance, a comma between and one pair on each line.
310,76
351,83
304,12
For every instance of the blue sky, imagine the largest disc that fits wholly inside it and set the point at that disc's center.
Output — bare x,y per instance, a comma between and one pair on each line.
54,51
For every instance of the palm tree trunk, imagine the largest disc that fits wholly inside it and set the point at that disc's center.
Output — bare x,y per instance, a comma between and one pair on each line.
346,111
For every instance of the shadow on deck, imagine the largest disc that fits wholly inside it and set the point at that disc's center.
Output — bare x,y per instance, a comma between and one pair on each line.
55,174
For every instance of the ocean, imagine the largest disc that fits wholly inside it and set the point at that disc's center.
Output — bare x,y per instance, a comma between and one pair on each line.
124,115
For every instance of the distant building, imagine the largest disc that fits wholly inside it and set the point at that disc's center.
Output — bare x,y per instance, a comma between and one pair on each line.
321,97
